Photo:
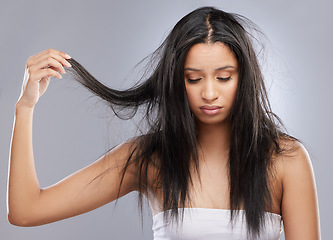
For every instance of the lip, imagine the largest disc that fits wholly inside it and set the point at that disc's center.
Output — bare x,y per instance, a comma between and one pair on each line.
210,109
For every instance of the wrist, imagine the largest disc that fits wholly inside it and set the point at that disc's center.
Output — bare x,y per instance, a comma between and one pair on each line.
22,107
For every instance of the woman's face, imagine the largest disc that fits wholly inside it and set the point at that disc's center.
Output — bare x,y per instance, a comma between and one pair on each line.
211,77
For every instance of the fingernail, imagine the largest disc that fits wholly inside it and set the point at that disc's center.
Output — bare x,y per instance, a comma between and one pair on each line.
68,64
67,56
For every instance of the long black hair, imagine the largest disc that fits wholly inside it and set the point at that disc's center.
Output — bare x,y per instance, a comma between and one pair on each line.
170,143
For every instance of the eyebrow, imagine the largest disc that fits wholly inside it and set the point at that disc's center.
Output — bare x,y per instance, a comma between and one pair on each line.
218,69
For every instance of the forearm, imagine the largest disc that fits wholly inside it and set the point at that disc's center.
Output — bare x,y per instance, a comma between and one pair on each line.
23,186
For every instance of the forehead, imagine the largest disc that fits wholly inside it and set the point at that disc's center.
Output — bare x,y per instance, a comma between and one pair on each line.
205,56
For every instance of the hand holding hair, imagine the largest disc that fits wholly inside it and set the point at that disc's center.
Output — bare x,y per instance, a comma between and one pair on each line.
39,69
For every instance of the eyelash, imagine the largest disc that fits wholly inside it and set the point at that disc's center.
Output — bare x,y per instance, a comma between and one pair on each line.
198,79
193,80
224,79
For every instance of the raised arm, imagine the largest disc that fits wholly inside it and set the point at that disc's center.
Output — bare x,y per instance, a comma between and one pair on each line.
300,211
85,190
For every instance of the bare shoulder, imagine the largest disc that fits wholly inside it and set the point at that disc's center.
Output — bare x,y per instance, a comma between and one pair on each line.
299,204
294,154
292,157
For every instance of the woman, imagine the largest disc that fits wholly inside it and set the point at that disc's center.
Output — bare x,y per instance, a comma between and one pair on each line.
213,159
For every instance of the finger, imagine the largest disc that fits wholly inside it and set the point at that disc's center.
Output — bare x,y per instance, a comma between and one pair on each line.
32,59
35,58
59,55
49,62
52,51
63,54
45,73
54,69
62,59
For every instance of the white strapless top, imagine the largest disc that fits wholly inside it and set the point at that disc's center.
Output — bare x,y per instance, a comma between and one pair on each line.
212,224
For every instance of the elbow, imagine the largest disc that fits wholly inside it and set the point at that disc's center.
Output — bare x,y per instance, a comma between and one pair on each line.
19,221
15,221
21,215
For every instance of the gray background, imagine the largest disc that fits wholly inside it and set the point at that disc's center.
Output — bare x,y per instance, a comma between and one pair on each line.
109,38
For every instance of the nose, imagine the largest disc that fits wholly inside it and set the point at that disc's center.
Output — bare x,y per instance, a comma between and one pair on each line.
209,91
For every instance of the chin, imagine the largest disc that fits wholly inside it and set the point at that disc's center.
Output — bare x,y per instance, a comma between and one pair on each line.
212,122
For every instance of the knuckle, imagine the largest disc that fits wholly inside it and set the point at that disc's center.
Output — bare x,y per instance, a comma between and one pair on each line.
49,52
28,63
31,70
49,71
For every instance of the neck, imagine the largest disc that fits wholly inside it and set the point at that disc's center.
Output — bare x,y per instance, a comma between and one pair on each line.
214,140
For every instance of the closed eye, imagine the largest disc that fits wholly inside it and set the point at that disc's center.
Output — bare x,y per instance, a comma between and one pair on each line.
193,80
224,79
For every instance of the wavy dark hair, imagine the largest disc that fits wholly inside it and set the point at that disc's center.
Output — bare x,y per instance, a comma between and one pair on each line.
170,143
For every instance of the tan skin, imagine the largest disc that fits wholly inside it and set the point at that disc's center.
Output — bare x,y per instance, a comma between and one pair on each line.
215,71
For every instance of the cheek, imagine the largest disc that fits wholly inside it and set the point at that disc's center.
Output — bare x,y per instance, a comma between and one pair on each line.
228,95
232,90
